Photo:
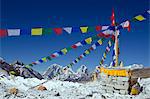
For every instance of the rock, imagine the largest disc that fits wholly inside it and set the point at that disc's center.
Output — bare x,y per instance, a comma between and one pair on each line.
42,88
13,91
57,94
123,79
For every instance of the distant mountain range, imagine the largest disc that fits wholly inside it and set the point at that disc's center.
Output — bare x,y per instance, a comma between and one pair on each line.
54,71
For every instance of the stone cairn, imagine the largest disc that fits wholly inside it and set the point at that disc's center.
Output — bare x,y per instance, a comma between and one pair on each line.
114,84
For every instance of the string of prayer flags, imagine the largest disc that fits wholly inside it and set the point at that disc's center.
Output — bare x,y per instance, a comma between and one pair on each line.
64,51
86,52
107,50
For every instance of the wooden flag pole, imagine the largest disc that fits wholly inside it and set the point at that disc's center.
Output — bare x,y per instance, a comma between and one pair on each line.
116,47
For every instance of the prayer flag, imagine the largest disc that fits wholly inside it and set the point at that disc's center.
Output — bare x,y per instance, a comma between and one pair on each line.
139,18
68,48
87,52
36,31
36,62
91,29
68,29
113,18
94,46
84,29
83,42
13,32
55,54
88,40
58,31
44,59
60,53
98,28
105,27
78,44
46,31
3,33
126,24
41,61
73,46
100,41
109,43
64,51
48,57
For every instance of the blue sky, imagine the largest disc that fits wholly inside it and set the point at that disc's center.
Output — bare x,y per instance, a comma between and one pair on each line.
27,14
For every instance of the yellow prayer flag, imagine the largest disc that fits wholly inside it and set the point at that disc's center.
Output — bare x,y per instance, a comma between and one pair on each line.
44,59
87,52
88,40
140,18
100,41
84,29
36,31
109,43
104,55
64,50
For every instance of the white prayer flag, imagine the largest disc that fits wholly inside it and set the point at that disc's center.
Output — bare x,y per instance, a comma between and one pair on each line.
68,29
13,32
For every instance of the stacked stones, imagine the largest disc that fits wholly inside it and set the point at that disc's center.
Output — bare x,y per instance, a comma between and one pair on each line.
114,84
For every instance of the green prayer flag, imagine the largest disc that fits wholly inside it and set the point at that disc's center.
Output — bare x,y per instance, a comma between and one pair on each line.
46,31
69,48
30,64
91,29
48,57
95,37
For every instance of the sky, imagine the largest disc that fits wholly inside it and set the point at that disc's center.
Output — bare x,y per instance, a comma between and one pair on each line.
27,14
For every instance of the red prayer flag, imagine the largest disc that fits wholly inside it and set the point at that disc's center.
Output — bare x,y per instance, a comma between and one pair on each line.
53,56
91,48
98,28
73,46
3,33
81,57
113,18
58,31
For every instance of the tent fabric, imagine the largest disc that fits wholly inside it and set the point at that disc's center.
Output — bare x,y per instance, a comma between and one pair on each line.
36,31
84,29
13,32
3,33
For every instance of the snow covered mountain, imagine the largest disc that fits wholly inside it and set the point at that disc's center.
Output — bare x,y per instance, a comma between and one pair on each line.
52,71
17,68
